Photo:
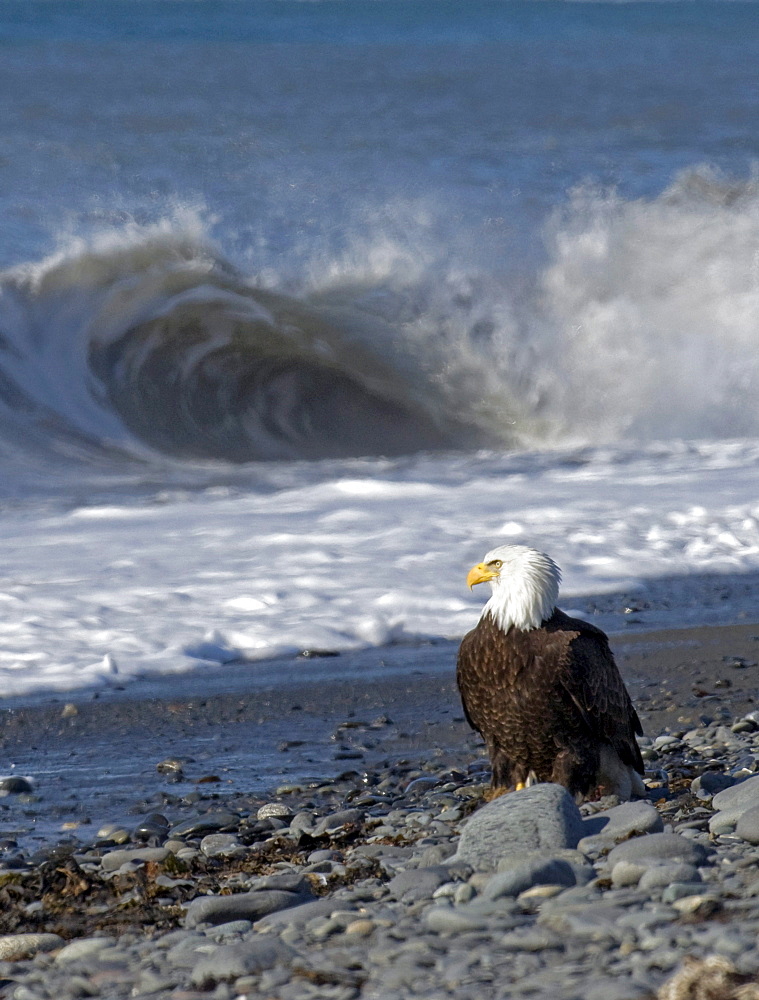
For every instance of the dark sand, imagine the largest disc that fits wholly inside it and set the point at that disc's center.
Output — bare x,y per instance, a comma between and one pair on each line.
255,726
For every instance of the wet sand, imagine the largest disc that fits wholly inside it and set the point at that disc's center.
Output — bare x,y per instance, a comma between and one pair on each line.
247,728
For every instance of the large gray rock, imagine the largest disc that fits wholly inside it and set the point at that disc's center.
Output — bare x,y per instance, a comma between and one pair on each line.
656,848
543,817
242,906
732,803
743,795
230,961
747,827
630,819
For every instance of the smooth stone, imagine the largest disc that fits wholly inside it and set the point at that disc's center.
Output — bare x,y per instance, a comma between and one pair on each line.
531,939
725,821
630,819
230,961
660,876
15,786
543,817
115,859
14,947
114,832
657,847
286,881
702,904
276,810
592,922
208,823
324,855
242,906
743,795
82,948
619,988
711,783
626,873
296,916
454,920
221,845
747,827
418,883
679,890
233,929
537,870
336,822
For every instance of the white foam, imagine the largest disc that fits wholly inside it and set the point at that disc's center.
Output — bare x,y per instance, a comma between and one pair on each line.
211,577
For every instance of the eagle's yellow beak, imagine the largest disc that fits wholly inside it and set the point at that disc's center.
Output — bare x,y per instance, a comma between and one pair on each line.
479,574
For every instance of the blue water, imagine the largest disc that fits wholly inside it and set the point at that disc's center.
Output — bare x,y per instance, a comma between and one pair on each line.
443,199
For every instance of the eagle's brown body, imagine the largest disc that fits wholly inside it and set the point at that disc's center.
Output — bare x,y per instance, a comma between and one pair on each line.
549,702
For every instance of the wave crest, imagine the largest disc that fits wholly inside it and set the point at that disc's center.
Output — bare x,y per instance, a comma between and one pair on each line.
640,325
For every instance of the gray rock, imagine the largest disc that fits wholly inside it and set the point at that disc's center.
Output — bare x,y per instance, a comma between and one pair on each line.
594,922
543,817
243,906
531,939
747,827
536,869
605,829
82,949
619,988
655,848
660,876
230,961
221,845
115,859
454,920
14,947
298,916
207,823
288,881
743,795
418,883
626,873
725,821
336,822
274,810
711,783
681,890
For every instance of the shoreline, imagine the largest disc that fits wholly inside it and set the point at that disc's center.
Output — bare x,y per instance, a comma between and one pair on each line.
321,866
268,726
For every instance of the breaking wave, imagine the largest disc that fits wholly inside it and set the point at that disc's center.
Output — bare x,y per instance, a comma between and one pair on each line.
641,323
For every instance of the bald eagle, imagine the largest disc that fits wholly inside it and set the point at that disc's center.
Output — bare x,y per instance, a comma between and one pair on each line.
542,688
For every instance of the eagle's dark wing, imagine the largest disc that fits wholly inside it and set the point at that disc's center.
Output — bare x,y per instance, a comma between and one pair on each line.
590,678
474,671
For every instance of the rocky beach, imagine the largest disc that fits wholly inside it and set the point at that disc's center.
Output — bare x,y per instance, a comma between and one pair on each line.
162,862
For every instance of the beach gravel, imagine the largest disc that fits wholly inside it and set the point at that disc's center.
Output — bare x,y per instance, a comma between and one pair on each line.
395,880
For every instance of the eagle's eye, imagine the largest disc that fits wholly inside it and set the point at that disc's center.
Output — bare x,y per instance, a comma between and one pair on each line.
496,564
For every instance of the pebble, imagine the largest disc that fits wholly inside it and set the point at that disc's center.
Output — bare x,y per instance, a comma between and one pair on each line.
526,872
397,882
630,819
657,847
229,962
240,906
16,946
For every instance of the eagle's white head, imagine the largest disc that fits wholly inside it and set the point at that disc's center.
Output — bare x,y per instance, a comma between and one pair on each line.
525,585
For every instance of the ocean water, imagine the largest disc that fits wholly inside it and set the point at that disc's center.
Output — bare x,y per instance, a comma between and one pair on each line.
304,305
